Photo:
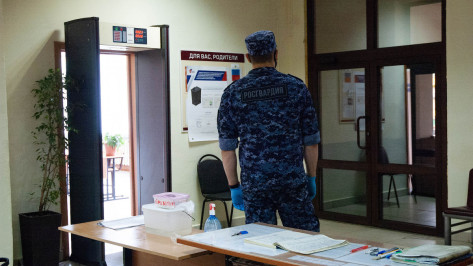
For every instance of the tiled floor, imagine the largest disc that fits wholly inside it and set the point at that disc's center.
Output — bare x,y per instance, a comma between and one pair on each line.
421,211
408,209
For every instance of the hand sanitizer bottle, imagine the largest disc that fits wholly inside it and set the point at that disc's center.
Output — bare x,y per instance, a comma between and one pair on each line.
212,222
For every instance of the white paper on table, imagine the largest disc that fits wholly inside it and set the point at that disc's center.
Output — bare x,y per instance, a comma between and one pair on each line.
223,239
339,252
250,248
123,223
366,259
269,240
316,260
311,244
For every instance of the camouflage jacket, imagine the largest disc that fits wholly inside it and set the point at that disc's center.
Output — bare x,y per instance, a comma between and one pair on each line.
270,117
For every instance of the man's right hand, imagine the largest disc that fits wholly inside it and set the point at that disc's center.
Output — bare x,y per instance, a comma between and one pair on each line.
237,198
311,186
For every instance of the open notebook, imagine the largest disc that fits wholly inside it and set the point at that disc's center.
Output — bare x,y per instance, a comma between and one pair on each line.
296,242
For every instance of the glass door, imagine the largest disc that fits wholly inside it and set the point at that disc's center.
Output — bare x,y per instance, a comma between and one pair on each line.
377,160
343,162
377,71
406,150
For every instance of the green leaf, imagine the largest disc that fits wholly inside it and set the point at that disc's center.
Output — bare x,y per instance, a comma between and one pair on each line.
49,114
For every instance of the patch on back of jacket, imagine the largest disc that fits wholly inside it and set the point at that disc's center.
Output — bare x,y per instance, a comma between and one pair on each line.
264,93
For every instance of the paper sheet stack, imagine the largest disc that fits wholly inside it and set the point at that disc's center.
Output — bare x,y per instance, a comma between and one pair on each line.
431,254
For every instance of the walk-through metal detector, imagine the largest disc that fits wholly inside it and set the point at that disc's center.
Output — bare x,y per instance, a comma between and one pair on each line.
83,40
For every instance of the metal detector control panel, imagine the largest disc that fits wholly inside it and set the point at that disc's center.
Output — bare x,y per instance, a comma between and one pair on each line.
122,34
123,37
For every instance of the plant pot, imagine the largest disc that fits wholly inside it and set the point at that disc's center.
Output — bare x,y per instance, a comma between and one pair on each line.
109,150
40,237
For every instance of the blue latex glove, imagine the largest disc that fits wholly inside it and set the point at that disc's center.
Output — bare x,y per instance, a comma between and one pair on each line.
311,187
237,198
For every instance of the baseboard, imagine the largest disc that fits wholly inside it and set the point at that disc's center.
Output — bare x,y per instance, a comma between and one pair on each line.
327,205
359,199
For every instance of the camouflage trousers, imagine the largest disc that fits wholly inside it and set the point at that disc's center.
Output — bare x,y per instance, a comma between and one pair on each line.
290,201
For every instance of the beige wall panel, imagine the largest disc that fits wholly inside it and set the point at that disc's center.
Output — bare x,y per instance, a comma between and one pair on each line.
205,25
459,98
6,234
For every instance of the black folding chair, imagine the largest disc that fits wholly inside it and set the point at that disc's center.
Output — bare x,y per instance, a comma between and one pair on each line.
384,159
462,213
213,184
4,261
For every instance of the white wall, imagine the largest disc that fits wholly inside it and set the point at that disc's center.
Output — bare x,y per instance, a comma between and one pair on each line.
393,132
459,98
338,25
6,236
426,23
424,106
211,25
291,37
204,25
393,23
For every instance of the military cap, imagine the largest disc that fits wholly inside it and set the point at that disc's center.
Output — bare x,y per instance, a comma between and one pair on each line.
261,42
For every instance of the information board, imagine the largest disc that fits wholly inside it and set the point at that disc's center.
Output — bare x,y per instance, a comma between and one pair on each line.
204,77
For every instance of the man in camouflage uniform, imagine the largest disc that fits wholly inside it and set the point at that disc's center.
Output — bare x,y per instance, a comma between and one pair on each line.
271,118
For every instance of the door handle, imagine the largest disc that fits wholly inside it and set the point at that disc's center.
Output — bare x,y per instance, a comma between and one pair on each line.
358,142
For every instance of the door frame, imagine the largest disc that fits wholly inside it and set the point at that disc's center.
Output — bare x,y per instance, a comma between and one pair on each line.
373,58
60,47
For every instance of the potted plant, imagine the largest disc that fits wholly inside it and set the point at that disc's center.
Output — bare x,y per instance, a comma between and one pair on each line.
112,142
39,230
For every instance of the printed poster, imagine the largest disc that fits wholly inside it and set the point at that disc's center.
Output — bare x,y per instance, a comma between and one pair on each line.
205,87
352,96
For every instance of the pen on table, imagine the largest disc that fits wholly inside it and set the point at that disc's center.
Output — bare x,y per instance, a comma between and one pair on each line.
240,233
387,250
390,254
386,253
359,248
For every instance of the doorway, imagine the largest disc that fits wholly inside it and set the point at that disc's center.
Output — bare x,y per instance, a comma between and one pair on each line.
118,177
116,131
117,123
148,84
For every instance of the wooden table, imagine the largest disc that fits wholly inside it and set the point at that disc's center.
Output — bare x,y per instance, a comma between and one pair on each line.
284,259
142,248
